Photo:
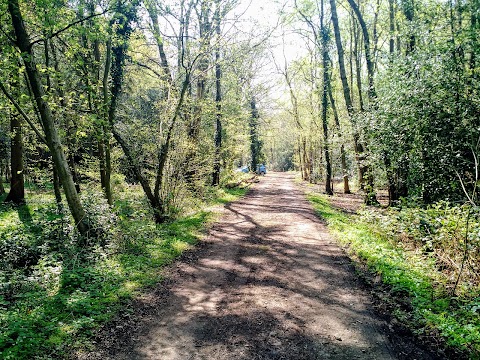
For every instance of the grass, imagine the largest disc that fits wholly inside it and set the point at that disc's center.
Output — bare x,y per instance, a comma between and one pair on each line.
54,295
410,276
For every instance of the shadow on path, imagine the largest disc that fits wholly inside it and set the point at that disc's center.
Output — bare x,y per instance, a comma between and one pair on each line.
268,283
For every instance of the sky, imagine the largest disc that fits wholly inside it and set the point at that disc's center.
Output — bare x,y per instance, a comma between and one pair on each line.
284,45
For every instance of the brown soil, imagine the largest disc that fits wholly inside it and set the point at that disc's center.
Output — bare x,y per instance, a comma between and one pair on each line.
268,282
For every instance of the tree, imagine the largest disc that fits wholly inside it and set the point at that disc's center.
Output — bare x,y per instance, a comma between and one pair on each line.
24,44
218,100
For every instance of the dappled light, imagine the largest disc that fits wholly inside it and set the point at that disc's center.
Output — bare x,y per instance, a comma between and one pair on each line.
131,131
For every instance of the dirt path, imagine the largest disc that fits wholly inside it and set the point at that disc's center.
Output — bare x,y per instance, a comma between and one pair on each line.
269,283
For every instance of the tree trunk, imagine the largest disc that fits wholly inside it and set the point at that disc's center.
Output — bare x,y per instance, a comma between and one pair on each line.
2,188
218,102
370,195
17,184
326,85
366,41
408,11
254,143
341,61
346,92
343,157
56,189
375,35
305,159
196,120
105,130
391,13
358,66
51,133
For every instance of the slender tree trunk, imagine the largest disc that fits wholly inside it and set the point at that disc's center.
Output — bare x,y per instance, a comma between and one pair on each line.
51,133
218,101
17,183
8,172
2,188
366,41
343,157
358,66
346,92
375,35
101,106
408,11
201,91
105,131
300,160
305,159
326,85
370,195
391,14
341,59
56,189
254,142
351,58
73,169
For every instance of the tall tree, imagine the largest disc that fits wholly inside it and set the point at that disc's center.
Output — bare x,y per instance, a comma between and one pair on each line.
325,86
255,143
218,99
24,44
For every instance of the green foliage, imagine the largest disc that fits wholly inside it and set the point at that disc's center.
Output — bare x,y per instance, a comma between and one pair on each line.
412,275
424,125
53,294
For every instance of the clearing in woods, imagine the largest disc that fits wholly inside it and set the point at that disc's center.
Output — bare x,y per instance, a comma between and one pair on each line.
268,282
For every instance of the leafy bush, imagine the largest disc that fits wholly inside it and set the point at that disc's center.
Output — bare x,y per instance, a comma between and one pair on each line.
406,249
448,234
51,305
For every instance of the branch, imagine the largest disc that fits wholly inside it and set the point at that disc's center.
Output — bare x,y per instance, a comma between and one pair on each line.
58,32
20,110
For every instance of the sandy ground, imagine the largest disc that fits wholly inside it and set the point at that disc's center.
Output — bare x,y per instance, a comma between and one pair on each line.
268,282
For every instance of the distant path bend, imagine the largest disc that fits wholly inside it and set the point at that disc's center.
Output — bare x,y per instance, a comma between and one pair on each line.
270,283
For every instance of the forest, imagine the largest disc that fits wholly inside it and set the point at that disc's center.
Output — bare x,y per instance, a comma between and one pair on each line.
124,124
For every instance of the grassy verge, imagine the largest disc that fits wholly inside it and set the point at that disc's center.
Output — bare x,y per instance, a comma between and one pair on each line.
421,300
53,295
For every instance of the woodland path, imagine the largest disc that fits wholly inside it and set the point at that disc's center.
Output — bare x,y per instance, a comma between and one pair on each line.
268,282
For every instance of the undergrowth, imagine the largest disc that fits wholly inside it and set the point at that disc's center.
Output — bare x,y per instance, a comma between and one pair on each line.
53,294
411,271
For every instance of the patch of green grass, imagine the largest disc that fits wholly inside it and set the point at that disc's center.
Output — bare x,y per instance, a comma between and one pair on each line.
52,306
409,274
224,196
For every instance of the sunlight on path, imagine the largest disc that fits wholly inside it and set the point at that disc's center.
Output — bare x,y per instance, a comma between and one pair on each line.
269,284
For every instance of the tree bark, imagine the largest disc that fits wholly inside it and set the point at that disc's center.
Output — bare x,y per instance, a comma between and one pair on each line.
51,132
105,131
56,189
341,59
326,85
17,183
254,143
408,11
343,157
391,14
2,188
346,92
366,41
218,101
370,195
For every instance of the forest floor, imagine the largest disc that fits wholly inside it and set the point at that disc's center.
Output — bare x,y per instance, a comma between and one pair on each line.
267,282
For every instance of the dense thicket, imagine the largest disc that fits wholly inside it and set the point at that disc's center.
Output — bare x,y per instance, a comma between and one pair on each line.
405,82
155,92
